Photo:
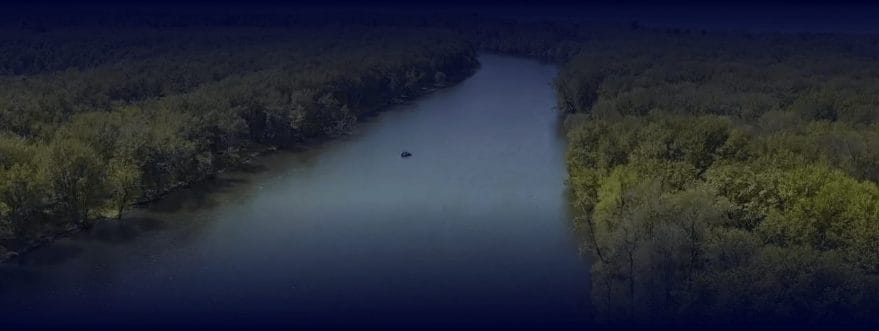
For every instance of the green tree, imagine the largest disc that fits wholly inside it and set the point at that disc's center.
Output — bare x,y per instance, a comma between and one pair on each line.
76,176
22,193
123,183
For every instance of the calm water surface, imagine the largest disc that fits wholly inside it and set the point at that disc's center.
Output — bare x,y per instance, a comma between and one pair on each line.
473,228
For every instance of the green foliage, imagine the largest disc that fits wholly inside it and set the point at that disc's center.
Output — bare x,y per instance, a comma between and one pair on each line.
123,181
76,177
22,191
719,182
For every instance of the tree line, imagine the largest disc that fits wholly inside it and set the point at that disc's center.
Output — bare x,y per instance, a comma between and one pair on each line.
86,141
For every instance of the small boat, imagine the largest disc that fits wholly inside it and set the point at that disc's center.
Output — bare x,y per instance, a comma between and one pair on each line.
405,154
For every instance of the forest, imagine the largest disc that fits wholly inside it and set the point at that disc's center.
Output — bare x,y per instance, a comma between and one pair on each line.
726,177
717,176
93,120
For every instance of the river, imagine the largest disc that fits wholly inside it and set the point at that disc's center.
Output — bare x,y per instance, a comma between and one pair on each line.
473,228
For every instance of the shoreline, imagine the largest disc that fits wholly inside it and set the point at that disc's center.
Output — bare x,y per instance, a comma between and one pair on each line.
11,256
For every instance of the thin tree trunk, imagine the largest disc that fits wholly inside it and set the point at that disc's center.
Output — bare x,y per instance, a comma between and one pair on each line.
591,232
121,206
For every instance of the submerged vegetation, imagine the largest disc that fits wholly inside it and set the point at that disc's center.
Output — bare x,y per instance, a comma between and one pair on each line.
727,177
91,122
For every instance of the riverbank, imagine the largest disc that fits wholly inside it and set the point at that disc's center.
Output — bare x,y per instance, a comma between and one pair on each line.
10,249
472,229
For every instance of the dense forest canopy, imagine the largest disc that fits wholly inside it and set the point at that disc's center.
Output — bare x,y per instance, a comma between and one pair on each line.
727,177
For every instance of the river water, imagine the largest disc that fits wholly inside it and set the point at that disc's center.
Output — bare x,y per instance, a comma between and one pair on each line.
473,228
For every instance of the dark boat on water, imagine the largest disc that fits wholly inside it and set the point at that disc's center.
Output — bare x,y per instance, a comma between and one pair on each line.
405,154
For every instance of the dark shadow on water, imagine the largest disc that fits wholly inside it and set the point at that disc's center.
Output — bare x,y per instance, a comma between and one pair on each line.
251,168
116,232
198,196
53,254
15,274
